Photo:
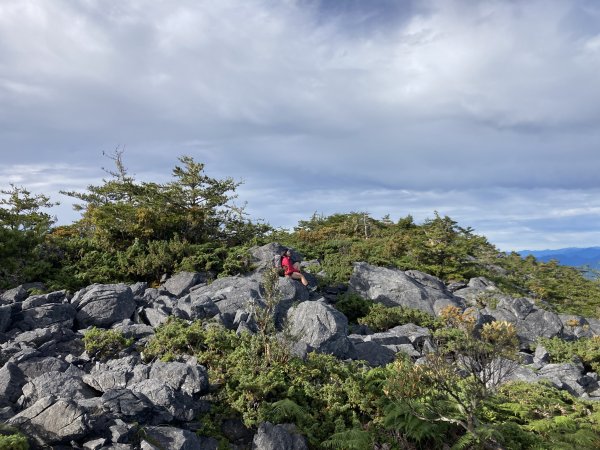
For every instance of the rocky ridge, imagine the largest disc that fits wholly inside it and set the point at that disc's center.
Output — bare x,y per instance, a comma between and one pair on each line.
59,396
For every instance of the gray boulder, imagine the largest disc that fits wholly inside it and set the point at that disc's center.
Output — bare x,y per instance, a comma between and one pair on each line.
138,289
5,317
575,327
196,306
530,321
39,365
291,292
231,294
102,305
179,405
14,295
480,291
236,432
264,256
521,373
427,280
387,338
418,336
52,341
41,336
541,356
44,316
140,332
155,316
181,283
50,421
568,376
40,300
394,287
57,384
278,437
180,376
94,444
321,326
594,326
373,353
133,406
121,432
12,381
166,437
6,412
116,373
381,348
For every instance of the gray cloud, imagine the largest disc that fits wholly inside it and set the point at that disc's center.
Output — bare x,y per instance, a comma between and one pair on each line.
487,110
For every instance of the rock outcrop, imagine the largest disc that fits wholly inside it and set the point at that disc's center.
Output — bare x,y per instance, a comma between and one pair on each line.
393,287
322,327
58,395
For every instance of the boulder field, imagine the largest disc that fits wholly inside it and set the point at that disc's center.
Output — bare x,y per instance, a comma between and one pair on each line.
60,397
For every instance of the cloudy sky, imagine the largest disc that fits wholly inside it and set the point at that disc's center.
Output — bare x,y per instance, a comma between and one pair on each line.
486,111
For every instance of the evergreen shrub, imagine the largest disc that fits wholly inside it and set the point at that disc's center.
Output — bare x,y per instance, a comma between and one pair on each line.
104,344
587,349
382,318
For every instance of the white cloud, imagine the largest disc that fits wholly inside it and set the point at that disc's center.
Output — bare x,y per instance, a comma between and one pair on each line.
483,110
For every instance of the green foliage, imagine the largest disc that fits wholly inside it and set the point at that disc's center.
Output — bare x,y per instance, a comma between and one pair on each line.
443,248
541,416
177,336
236,261
123,210
23,227
353,439
289,411
353,306
11,439
381,317
322,395
587,349
104,344
14,442
131,230
438,246
398,416
453,383
563,288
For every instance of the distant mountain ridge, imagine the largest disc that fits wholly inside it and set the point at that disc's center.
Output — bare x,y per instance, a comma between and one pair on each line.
571,256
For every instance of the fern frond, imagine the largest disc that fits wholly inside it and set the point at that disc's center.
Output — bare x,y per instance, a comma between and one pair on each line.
584,438
353,439
465,441
288,410
398,416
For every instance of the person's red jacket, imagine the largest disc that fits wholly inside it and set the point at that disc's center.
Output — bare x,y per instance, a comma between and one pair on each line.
286,263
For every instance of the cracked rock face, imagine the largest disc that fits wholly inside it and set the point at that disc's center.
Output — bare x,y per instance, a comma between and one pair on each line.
530,321
321,326
102,305
58,384
52,421
393,287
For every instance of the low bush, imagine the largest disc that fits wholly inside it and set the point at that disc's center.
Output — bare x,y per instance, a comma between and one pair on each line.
587,349
539,416
381,318
104,344
11,439
353,306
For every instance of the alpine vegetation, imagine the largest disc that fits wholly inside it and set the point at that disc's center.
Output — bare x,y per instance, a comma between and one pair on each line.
161,320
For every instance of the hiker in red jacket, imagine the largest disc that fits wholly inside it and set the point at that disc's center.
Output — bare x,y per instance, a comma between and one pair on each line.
291,268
